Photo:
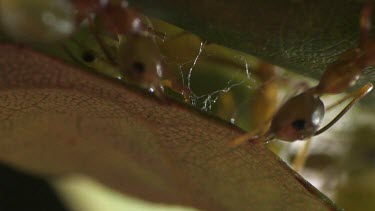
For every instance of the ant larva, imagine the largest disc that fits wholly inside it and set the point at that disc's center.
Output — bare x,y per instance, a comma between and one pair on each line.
300,117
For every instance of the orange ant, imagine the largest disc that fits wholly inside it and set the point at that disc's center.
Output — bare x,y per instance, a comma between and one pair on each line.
300,117
137,57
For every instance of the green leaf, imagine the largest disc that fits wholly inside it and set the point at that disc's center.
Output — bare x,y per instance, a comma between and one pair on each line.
303,36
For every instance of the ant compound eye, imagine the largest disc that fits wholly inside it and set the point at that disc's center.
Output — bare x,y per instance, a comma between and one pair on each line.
299,124
138,67
88,56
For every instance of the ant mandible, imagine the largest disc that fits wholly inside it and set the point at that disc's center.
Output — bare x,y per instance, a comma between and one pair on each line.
300,117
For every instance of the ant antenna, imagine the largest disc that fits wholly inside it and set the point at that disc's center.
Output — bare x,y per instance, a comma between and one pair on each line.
361,93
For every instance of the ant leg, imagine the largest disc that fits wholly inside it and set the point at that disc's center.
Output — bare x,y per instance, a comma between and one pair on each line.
253,135
358,95
264,106
345,98
300,159
70,54
101,43
246,137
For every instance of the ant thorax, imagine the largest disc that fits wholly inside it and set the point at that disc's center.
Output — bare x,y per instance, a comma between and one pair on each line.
341,74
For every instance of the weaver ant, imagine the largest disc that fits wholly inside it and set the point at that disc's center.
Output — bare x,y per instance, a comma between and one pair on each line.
300,117
136,54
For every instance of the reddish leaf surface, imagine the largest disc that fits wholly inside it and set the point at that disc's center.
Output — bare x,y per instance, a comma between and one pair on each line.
57,119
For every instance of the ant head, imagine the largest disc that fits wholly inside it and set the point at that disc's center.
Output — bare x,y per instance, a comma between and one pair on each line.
140,59
298,118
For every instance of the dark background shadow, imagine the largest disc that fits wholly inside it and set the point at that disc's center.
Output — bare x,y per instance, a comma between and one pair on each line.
21,191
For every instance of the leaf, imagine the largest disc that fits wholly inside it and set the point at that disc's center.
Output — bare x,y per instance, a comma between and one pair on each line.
303,36
57,119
